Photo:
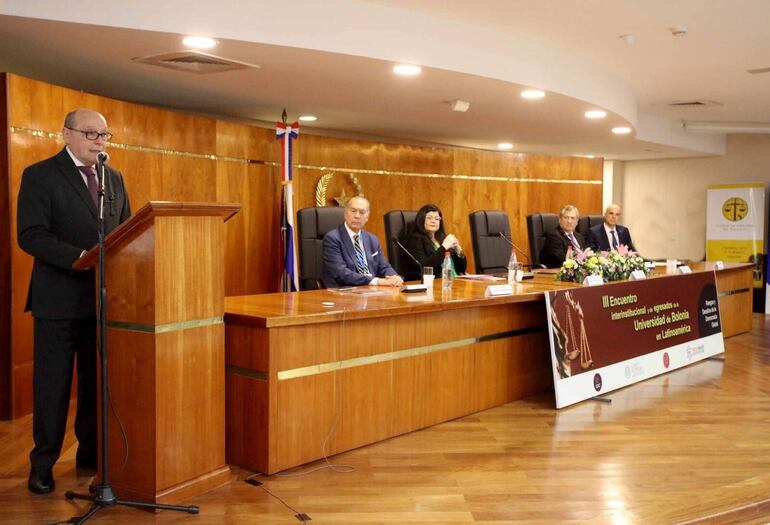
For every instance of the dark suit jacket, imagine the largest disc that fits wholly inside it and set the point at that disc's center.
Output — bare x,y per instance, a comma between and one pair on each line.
421,247
555,248
340,259
57,220
598,240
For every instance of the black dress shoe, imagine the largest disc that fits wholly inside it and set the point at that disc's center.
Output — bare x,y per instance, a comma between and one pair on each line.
41,480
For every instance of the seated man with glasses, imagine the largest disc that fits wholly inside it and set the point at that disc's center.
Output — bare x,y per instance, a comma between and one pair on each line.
56,224
352,256
563,238
427,241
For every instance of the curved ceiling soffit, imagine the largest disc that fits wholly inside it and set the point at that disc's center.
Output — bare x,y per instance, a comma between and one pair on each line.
346,27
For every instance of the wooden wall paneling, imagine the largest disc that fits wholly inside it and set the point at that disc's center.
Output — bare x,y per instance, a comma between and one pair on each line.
24,150
157,151
6,224
253,236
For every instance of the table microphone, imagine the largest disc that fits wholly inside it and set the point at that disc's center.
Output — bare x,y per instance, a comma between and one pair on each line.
527,275
395,239
514,246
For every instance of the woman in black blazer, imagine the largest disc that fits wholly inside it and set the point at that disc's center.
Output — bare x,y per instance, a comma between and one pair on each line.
427,241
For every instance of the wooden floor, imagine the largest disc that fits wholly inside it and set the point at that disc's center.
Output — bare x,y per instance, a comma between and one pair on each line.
692,446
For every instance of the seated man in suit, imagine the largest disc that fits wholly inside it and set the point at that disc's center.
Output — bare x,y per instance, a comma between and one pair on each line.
560,239
352,256
609,235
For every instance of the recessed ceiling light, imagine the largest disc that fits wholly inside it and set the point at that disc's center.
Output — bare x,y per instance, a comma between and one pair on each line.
407,69
199,42
505,145
621,130
308,118
589,156
595,113
532,93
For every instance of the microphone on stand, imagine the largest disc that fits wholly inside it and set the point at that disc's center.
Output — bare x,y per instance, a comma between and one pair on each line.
411,287
101,159
418,263
514,246
527,275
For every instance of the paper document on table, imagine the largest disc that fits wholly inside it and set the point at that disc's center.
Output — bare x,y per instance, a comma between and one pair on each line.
480,277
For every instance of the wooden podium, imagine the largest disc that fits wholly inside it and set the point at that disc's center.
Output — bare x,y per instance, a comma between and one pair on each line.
165,351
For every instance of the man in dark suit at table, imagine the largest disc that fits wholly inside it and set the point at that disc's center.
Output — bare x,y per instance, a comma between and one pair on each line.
559,240
609,235
352,256
56,224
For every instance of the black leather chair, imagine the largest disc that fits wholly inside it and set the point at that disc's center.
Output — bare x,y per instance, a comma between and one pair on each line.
396,223
538,224
312,225
490,251
586,222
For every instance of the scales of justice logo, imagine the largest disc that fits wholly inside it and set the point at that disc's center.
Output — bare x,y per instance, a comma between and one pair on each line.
735,209
571,343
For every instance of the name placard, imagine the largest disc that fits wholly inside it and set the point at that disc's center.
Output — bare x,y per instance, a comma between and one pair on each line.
593,280
684,269
493,290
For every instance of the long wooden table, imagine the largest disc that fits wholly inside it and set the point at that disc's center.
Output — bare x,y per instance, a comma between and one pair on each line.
305,380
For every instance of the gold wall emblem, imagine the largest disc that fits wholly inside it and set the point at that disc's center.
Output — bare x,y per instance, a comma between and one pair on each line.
735,209
342,198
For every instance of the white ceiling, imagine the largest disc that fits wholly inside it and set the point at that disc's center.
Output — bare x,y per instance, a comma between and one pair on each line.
333,59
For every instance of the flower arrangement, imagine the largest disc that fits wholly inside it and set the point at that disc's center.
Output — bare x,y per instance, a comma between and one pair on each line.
610,266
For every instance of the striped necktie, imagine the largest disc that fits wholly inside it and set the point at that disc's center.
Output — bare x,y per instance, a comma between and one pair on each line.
614,240
361,265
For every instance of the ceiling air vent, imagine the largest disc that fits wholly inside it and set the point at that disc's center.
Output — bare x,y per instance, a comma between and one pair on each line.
700,103
194,62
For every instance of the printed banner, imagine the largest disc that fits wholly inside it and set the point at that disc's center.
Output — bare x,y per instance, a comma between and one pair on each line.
735,225
607,337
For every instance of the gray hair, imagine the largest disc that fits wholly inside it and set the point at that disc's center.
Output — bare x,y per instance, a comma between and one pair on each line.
568,208
368,205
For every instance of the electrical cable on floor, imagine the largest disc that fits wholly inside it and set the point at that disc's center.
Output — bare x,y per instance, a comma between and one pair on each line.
342,469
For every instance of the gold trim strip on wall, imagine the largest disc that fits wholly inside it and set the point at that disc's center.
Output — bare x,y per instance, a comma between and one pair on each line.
728,293
246,372
398,354
163,328
223,158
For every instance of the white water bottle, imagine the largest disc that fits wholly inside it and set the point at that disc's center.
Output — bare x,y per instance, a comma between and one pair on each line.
513,267
446,271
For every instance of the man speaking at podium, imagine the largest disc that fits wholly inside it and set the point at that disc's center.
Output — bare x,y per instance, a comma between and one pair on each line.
56,224
352,256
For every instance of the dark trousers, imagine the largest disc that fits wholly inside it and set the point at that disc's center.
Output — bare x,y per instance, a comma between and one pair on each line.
57,344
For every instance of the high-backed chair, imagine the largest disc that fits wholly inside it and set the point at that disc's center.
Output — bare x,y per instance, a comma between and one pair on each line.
538,224
396,224
490,250
586,222
312,225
